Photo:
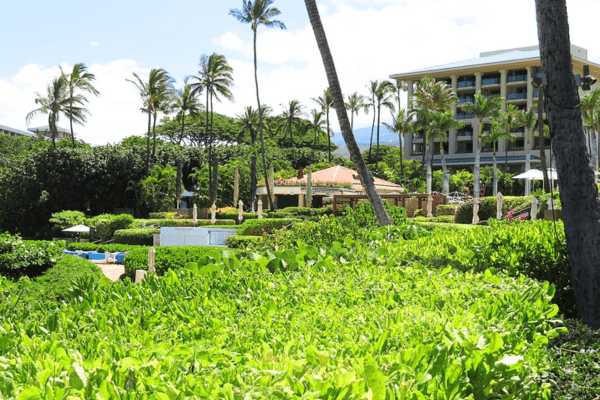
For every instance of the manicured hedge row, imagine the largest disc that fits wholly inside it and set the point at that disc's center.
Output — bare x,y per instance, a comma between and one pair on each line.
181,222
243,242
140,237
234,216
259,227
102,248
166,258
301,212
445,209
487,208
30,258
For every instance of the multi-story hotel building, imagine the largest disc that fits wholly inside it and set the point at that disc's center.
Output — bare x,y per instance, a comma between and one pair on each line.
504,72
15,132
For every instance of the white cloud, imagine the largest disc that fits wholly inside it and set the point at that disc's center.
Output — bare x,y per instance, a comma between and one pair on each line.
94,43
229,41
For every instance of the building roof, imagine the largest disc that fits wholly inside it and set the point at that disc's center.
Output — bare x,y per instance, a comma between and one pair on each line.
342,175
17,131
520,57
46,128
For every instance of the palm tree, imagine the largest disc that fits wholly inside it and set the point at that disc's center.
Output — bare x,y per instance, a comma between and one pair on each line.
151,93
78,79
378,208
402,123
589,110
529,123
512,118
354,104
258,13
326,103
440,124
372,86
248,125
482,108
186,103
56,102
431,96
216,78
499,129
383,98
317,124
291,118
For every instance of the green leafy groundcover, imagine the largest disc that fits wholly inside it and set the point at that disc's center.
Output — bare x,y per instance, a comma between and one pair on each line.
346,322
30,258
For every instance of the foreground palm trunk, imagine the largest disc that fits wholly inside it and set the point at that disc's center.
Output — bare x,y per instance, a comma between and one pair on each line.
578,194
338,100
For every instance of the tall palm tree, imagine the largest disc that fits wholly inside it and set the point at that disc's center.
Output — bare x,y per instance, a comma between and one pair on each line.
165,103
291,118
326,103
215,78
482,108
316,124
57,101
370,103
402,123
151,92
78,79
354,104
431,96
510,119
258,13
383,98
378,208
440,124
248,125
499,129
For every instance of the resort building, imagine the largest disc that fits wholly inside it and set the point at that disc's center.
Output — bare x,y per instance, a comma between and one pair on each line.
325,183
45,132
5,130
507,73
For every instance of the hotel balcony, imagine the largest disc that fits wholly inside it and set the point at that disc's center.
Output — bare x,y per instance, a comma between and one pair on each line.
516,78
465,84
467,99
516,96
490,81
464,116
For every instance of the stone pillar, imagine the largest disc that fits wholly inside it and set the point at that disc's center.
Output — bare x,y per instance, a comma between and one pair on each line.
408,139
301,200
503,75
477,82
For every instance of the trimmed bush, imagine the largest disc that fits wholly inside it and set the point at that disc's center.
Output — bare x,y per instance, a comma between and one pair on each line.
234,216
102,248
166,258
258,227
107,224
179,223
243,242
487,208
55,282
140,237
442,219
66,219
445,209
301,212
27,257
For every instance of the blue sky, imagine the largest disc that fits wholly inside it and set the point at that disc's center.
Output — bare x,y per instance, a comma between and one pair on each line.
370,39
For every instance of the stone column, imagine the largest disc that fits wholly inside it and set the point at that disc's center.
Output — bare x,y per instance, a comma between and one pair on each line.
503,75
477,82
408,139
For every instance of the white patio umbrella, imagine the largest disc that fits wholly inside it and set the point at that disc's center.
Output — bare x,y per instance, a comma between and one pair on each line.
78,228
532,174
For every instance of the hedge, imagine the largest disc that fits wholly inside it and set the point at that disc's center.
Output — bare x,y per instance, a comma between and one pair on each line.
30,258
234,216
300,212
140,237
445,209
102,248
166,258
55,282
443,219
181,222
243,242
487,208
259,227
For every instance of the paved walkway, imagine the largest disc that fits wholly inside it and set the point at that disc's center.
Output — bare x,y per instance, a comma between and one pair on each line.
112,271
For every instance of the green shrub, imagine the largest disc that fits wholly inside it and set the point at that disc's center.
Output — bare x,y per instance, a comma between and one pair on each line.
181,222
487,208
107,224
55,282
234,216
166,258
158,215
442,219
258,227
243,242
445,209
66,219
27,257
140,237
102,248
301,212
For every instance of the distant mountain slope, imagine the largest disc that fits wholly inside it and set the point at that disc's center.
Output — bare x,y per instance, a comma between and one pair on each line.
363,138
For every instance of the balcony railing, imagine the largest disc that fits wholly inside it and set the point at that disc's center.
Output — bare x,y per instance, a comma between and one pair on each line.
516,96
467,99
464,134
464,84
464,116
417,137
515,148
517,78
490,81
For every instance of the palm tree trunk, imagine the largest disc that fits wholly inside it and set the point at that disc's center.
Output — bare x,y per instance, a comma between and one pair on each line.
182,129
252,182
71,119
260,131
338,101
328,138
148,141
215,159
378,123
51,125
528,145
430,148
445,179
495,173
154,137
400,148
477,166
579,193
372,132
542,144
